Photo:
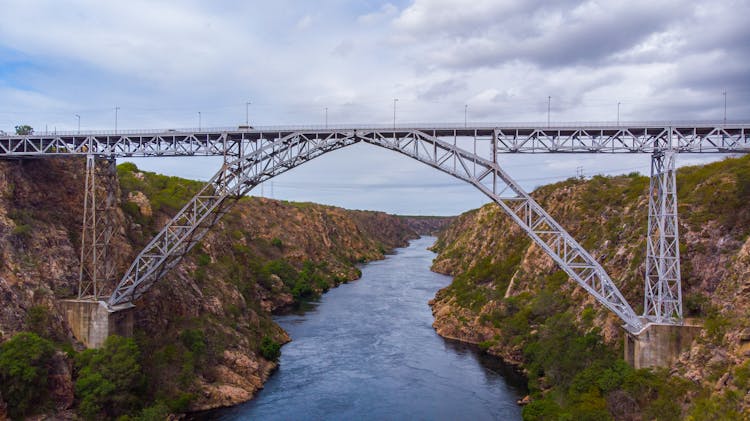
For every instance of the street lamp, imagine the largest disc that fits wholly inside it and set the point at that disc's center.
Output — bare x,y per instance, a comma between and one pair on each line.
549,104
725,106
199,120
466,114
394,112
247,113
79,123
618,113
326,117
116,110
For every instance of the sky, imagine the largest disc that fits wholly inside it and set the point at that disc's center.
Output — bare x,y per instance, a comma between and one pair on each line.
164,62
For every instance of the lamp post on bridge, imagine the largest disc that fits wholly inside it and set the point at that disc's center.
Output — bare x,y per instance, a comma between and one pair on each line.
199,120
326,120
725,106
247,113
549,107
466,114
618,113
394,112
79,123
116,110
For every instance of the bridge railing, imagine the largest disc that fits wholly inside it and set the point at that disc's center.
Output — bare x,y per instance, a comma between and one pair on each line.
398,126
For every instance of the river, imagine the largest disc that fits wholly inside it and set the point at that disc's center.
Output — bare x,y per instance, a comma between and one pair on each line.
367,350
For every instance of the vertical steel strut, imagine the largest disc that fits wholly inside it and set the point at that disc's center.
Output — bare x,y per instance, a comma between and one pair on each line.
96,266
663,295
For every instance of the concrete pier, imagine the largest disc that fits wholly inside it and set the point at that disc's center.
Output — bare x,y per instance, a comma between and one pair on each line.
92,321
659,345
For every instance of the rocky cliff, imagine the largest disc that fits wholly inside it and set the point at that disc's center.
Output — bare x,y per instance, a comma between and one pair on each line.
428,225
205,330
510,298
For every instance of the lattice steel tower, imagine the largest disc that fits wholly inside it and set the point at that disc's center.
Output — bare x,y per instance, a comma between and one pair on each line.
97,267
663,293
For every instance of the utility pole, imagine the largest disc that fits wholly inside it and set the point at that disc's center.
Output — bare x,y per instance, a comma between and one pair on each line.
466,114
725,107
549,105
247,113
326,117
394,112
199,120
116,110
79,123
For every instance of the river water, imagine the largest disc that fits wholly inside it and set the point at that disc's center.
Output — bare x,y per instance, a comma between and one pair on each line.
367,350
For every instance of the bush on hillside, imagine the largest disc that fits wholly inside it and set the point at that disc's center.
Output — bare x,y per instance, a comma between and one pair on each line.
25,361
110,380
270,349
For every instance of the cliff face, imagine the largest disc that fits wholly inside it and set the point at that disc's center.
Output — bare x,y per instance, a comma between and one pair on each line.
510,297
428,225
202,329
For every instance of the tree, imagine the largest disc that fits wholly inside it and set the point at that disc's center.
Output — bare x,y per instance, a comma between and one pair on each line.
110,379
270,349
25,361
24,129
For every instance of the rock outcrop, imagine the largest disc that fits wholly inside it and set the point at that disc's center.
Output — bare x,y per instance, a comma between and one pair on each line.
428,225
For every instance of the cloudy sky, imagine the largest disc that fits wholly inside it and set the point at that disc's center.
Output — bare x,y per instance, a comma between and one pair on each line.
163,62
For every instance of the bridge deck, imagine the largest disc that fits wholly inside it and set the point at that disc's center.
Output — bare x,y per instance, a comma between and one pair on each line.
584,138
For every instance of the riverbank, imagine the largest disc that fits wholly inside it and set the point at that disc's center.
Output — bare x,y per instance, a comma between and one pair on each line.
509,297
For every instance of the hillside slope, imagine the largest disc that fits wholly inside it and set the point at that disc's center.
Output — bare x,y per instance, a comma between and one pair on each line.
510,297
204,333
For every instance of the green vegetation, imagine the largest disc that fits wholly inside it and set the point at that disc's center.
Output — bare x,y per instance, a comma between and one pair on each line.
24,129
25,361
270,349
163,192
110,380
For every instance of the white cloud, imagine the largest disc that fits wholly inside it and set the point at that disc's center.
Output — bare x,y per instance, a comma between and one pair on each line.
385,12
304,22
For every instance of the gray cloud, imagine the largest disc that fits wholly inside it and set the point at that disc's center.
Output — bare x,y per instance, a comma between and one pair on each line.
162,62
547,34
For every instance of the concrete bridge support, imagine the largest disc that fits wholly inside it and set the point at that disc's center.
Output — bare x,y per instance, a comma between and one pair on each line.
659,344
92,322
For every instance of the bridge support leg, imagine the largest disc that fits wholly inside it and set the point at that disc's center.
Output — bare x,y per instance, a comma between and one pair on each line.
665,335
90,319
663,295
97,266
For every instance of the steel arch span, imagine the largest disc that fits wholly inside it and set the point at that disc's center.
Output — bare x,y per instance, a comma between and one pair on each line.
238,176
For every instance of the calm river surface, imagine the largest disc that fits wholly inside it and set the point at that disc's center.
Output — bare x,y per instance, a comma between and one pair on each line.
367,350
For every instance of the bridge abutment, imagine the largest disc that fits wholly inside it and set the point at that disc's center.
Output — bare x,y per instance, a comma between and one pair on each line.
92,322
659,345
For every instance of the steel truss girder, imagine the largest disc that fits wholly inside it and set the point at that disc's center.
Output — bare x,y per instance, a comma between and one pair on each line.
645,138
97,266
237,177
663,292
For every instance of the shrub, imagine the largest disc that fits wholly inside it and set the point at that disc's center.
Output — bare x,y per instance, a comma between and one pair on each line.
270,349
38,321
194,340
110,379
24,368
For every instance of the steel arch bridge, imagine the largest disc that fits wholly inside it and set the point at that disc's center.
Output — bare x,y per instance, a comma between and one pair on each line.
254,155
